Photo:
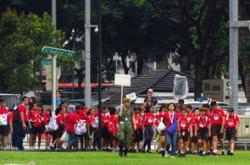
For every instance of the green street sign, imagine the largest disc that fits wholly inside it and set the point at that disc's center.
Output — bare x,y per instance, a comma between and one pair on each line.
57,51
47,62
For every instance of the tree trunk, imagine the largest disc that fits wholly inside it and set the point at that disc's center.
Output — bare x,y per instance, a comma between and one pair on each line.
198,76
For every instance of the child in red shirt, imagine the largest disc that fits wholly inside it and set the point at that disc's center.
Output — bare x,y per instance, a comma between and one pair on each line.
148,119
6,125
36,123
137,127
69,126
231,125
82,113
94,125
184,128
217,127
202,131
113,128
106,135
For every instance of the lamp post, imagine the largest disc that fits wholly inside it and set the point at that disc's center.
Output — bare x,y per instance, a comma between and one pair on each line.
235,24
99,68
54,77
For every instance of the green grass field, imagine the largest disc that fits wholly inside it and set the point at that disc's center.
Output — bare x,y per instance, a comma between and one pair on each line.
105,158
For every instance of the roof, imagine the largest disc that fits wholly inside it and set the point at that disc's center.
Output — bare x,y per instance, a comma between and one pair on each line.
159,81
166,83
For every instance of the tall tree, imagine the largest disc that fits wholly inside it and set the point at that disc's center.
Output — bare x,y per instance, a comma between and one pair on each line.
22,38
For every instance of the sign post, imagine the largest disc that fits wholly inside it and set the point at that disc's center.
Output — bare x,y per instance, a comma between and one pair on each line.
122,80
54,52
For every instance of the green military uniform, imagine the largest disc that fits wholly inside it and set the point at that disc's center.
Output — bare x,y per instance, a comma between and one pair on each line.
124,130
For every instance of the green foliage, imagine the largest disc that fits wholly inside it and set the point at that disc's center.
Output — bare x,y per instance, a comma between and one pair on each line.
23,37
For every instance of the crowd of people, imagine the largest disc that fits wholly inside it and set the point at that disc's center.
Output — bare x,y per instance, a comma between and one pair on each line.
177,129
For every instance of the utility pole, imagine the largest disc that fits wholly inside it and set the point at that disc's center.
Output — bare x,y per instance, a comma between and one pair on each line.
235,24
87,87
54,77
99,69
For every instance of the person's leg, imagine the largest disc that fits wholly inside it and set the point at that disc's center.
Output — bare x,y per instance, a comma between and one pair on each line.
70,141
221,141
47,140
174,138
186,148
231,146
32,140
146,137
200,145
87,140
215,139
120,148
151,134
181,146
20,137
39,140
204,146
167,143
14,136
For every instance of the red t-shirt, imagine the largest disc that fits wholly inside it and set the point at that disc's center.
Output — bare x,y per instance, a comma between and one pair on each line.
113,125
70,122
232,121
36,118
82,115
138,121
93,118
22,109
183,123
105,118
170,117
148,119
189,117
202,121
7,112
45,118
216,116
60,118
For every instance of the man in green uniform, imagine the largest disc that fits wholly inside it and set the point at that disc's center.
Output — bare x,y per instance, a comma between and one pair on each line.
124,117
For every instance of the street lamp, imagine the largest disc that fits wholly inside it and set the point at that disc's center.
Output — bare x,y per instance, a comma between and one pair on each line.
99,68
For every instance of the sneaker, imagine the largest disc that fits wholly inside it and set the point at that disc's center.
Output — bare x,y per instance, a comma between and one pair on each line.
222,152
166,154
149,151
120,154
162,153
214,153
230,153
181,154
173,157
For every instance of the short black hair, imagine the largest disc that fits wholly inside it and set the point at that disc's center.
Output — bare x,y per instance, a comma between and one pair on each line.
181,101
213,103
206,105
2,100
189,106
25,97
82,104
78,107
230,109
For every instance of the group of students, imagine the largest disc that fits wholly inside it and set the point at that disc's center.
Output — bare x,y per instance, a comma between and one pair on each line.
177,128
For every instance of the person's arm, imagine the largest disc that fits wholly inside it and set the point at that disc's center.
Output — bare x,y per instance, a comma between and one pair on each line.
118,114
22,119
223,123
11,125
